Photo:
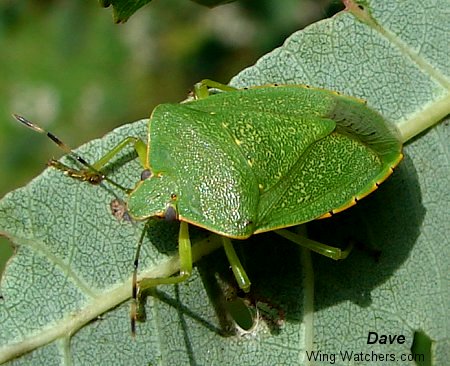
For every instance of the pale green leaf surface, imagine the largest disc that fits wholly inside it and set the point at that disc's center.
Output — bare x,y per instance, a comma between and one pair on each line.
74,259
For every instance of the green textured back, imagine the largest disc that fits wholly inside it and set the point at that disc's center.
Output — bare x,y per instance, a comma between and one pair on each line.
254,160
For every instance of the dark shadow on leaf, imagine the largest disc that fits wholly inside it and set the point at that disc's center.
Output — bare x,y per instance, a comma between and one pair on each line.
388,223
187,341
384,226
163,235
212,269
183,310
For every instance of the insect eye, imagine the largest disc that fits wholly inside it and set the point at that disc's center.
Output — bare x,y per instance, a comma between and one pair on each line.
170,214
146,174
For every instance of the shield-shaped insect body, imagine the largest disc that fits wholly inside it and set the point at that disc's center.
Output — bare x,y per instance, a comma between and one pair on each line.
260,159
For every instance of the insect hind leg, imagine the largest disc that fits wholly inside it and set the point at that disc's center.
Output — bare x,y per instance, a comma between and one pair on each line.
315,246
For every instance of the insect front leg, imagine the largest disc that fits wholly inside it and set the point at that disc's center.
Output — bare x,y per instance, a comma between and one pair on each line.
91,172
315,246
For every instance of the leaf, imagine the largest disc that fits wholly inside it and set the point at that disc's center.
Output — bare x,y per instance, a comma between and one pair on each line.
124,9
65,292
212,3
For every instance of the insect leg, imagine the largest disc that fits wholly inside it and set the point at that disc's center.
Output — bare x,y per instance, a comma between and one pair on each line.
201,89
138,145
236,266
139,288
93,172
315,246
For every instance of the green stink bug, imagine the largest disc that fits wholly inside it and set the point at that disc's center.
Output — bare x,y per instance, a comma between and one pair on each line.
246,161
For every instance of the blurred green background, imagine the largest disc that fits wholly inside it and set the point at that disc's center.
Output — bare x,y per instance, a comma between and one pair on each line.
66,65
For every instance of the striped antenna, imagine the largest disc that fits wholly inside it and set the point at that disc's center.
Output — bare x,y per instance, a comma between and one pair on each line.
91,174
